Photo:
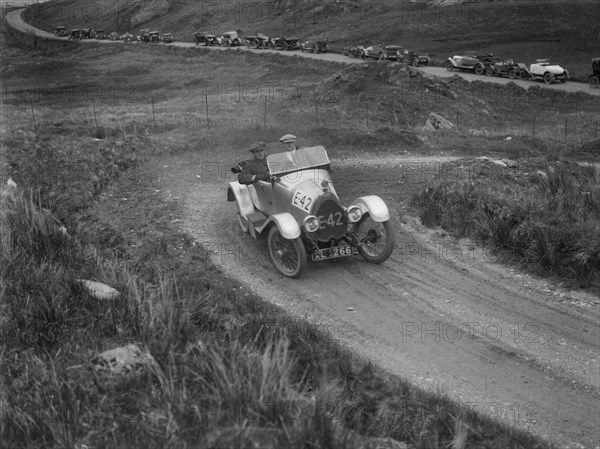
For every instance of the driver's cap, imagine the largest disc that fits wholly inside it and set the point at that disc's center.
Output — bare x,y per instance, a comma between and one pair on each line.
288,138
258,146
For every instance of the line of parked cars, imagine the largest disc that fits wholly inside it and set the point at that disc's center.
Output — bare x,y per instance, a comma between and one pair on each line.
387,52
492,65
260,41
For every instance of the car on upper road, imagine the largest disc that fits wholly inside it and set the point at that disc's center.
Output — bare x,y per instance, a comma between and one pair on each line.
60,31
167,38
154,36
594,78
476,63
506,67
144,35
230,39
302,215
544,70
415,59
316,46
382,52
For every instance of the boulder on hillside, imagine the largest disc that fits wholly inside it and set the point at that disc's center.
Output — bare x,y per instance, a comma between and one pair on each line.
436,121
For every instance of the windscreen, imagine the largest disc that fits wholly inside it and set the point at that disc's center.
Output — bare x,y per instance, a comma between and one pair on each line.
304,158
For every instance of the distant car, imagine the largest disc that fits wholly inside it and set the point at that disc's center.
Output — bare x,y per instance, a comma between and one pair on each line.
60,31
353,52
144,35
414,59
301,215
259,41
86,33
100,34
210,40
75,34
382,52
286,43
470,62
127,37
154,36
594,78
200,37
114,36
544,70
504,68
230,39
167,38
316,46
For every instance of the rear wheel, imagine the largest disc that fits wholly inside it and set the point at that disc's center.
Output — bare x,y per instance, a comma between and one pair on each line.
548,78
594,82
288,255
376,238
512,74
479,69
489,71
449,66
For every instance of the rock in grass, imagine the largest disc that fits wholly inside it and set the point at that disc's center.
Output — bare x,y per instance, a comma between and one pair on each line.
99,290
499,163
123,360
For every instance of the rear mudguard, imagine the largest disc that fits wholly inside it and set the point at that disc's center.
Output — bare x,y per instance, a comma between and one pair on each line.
374,206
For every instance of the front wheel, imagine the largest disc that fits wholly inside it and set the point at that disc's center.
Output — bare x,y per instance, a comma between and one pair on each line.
479,69
512,74
288,255
548,78
376,239
594,82
489,71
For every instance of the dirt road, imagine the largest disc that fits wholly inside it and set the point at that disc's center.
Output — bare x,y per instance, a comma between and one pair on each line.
447,317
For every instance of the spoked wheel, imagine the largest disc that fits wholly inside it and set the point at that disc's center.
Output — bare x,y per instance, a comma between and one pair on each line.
289,256
489,71
594,82
512,74
377,239
548,78
479,69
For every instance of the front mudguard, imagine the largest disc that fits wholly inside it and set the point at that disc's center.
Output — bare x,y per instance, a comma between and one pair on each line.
239,193
285,222
374,206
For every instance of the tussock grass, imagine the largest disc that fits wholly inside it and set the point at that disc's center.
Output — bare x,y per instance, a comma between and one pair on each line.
552,222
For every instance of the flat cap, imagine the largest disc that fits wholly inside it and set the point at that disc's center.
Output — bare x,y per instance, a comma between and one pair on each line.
258,146
288,138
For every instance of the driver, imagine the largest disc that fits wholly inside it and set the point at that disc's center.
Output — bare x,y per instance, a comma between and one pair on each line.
255,169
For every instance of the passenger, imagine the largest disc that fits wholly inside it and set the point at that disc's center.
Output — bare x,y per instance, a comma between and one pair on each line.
255,169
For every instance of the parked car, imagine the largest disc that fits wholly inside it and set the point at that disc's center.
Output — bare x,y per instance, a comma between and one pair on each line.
477,64
167,38
114,36
60,31
144,35
286,43
86,33
415,59
382,52
594,78
200,37
316,46
230,39
75,35
353,52
544,70
154,36
259,41
100,34
127,37
505,68
301,214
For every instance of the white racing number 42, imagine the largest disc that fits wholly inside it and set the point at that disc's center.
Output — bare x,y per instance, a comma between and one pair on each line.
302,201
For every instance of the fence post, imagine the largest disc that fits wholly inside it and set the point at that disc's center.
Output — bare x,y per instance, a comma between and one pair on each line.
153,113
206,101
34,124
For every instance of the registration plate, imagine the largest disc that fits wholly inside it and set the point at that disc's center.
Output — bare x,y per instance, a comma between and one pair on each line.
332,253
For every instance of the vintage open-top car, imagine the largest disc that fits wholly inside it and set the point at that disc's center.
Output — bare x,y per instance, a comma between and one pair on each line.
544,70
60,31
286,43
505,67
154,36
75,34
476,63
413,58
382,52
301,214
316,46
230,39
144,35
167,38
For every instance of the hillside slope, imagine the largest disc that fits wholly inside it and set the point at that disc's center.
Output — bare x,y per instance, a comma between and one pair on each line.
564,30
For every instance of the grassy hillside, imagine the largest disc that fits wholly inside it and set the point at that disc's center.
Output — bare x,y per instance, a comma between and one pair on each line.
566,31
78,127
